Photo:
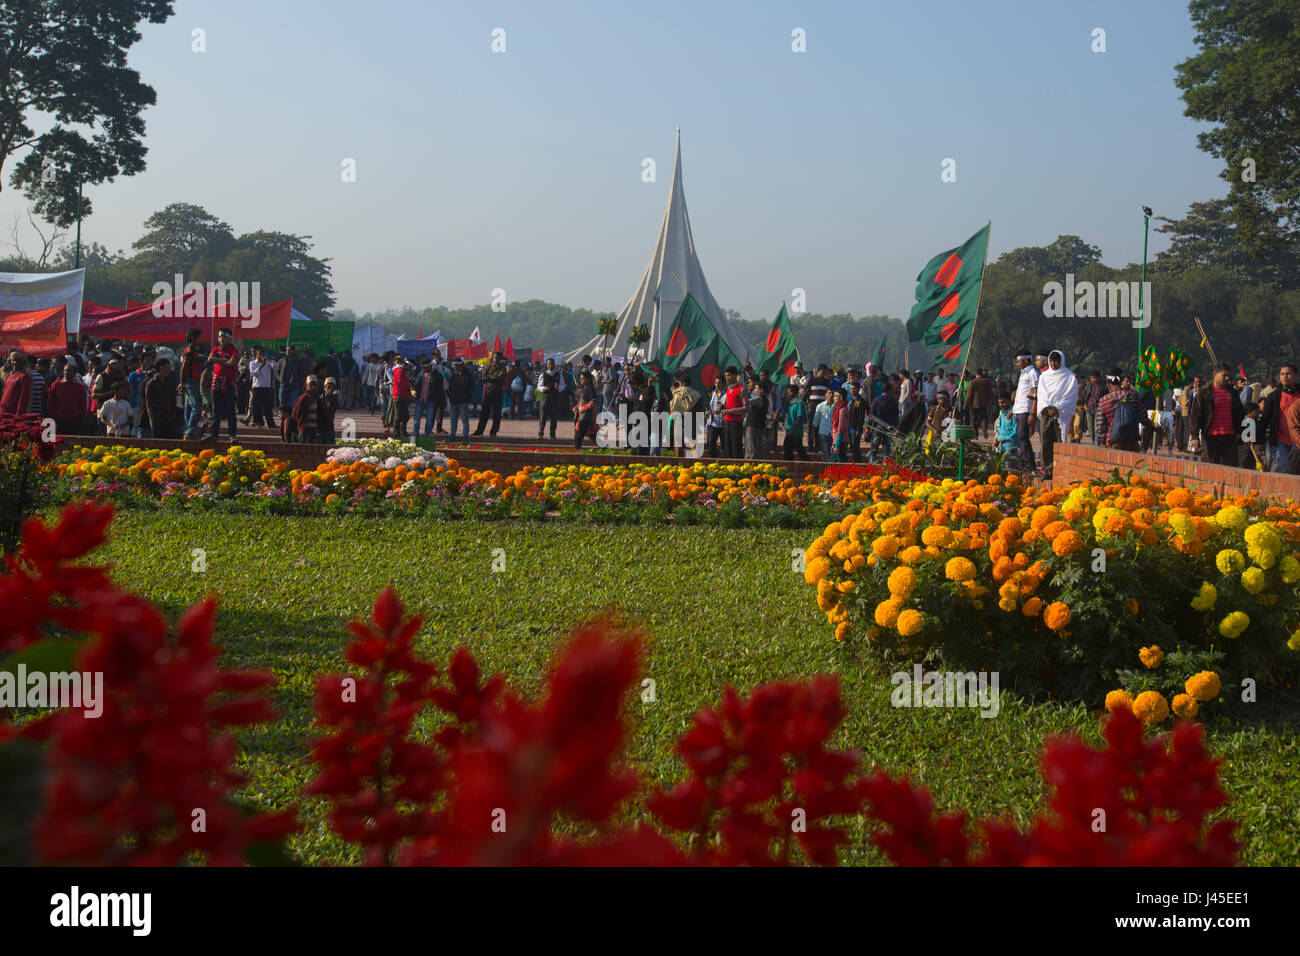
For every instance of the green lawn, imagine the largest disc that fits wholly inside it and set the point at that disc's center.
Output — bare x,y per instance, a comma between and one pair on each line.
720,606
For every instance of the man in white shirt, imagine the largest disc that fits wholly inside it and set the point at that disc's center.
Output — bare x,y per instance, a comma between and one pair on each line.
261,408
930,390
1023,409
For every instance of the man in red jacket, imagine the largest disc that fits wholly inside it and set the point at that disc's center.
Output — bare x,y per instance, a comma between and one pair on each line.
733,416
17,397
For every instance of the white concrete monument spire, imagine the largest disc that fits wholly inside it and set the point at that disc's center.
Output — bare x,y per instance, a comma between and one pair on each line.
674,270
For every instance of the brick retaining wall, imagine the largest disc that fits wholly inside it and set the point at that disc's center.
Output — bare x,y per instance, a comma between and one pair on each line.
1074,462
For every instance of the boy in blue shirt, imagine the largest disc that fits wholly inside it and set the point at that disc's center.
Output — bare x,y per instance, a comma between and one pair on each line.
1006,424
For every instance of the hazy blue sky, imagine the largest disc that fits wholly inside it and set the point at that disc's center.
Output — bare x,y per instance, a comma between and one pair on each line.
522,169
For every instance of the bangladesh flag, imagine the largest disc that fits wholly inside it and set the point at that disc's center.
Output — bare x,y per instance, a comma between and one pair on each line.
878,360
691,329
947,298
713,363
780,353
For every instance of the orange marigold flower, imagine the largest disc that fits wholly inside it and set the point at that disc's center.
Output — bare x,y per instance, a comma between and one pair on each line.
1067,543
1057,616
1119,700
1185,706
1151,656
1033,607
1151,708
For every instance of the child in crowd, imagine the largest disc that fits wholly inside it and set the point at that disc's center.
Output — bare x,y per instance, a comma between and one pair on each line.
116,414
1252,449
1006,425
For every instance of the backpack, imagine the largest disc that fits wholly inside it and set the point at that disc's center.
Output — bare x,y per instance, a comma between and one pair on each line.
1124,422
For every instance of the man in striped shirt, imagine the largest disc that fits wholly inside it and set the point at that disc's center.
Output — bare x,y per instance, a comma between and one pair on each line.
817,387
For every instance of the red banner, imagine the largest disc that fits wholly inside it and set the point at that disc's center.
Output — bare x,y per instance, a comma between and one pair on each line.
539,356
480,351
40,334
177,316
95,308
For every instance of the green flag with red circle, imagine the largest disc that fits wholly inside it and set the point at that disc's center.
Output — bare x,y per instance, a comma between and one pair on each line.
691,329
947,299
780,353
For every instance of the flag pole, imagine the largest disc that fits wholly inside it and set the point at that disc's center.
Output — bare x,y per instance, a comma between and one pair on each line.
970,343
1205,339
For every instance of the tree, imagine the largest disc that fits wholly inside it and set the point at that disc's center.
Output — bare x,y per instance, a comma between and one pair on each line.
48,241
1246,81
282,264
1064,254
67,59
179,235
1206,238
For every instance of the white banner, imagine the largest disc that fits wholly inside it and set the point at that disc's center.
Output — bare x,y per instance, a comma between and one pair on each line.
366,338
30,291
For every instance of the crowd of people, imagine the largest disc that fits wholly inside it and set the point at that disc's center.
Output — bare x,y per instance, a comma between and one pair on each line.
1227,420
840,414
116,389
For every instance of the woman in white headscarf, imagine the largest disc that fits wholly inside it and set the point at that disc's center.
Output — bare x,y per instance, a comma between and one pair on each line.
1058,390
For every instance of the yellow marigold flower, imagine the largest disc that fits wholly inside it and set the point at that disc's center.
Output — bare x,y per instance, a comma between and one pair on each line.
841,630
816,570
885,546
937,536
1205,597
1230,561
1253,580
1151,656
1290,569
1007,604
858,562
1234,624
887,612
909,622
1057,616
1183,527
902,581
1203,686
911,555
960,569
1185,706
1231,517
1119,700
873,633
1263,544
1151,708
1293,641
1033,607
844,587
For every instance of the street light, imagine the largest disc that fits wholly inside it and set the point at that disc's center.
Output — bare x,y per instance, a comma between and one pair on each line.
1142,307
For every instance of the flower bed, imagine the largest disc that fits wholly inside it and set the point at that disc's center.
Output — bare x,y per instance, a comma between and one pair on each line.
1062,590
390,475
420,764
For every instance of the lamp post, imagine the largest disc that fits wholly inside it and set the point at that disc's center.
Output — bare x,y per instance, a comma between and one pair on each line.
77,255
1142,289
